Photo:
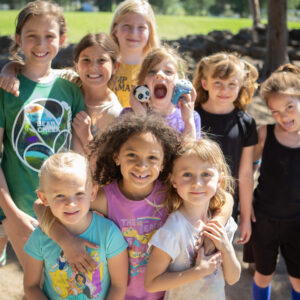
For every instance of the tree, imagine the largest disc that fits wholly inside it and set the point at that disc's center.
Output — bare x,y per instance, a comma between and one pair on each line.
277,37
255,11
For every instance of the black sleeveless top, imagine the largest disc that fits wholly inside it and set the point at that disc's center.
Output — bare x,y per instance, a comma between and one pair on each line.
277,195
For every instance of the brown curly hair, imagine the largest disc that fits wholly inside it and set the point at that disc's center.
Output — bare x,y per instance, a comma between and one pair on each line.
285,80
206,150
224,65
109,143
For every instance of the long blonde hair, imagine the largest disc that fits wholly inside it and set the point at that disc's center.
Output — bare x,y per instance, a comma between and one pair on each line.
143,8
285,80
224,65
206,150
66,162
34,9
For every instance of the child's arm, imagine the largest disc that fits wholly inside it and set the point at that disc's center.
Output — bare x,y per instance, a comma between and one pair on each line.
246,183
118,270
8,77
76,144
224,213
74,247
186,104
258,148
157,277
32,279
231,266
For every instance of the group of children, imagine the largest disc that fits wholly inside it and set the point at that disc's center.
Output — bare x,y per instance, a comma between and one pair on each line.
152,169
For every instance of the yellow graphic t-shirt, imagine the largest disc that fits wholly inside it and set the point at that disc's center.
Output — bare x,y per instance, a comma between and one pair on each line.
123,81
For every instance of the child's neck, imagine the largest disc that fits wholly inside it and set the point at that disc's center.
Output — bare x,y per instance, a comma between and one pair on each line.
213,108
39,74
131,58
95,96
133,193
196,215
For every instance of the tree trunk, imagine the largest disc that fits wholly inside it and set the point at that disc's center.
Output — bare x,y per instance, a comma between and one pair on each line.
277,37
255,11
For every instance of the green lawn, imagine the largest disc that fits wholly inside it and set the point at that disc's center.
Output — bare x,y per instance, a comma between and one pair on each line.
169,27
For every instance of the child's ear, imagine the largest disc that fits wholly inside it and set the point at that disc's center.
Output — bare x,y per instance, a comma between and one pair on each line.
173,181
43,198
18,39
204,83
115,68
75,66
62,39
116,159
94,192
221,177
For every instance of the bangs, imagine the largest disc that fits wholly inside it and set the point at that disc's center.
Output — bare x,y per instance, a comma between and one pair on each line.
224,70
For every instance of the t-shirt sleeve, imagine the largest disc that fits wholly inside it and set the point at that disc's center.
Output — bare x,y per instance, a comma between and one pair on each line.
78,102
197,125
251,137
2,115
33,245
115,241
167,241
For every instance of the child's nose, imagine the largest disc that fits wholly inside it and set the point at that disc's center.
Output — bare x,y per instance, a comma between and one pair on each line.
198,180
142,163
160,74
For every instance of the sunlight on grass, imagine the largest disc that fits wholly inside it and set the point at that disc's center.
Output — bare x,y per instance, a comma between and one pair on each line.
169,27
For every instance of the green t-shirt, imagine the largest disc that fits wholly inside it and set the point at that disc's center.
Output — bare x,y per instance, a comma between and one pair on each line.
36,125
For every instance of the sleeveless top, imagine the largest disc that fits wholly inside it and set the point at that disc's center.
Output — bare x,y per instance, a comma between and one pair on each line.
277,195
138,221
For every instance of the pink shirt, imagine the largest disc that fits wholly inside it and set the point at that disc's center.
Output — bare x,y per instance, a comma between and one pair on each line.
138,221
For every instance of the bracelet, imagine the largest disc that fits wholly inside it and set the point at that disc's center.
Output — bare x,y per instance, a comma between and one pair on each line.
257,162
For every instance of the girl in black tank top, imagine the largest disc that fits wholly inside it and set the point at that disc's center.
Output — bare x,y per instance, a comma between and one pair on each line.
277,196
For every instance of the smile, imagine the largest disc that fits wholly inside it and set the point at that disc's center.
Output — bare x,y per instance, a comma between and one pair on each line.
94,76
140,177
40,54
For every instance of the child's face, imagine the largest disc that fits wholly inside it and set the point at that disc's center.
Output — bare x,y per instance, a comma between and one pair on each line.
69,195
195,180
40,40
132,33
94,67
286,111
141,160
161,82
222,92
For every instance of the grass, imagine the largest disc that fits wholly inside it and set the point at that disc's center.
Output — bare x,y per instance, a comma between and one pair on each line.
169,27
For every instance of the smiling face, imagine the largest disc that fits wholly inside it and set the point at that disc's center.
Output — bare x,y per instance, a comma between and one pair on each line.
68,194
160,80
132,33
94,67
195,180
222,92
40,40
285,110
140,159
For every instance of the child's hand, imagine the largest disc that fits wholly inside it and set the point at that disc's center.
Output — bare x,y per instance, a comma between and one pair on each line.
245,229
186,104
207,264
79,259
139,108
10,83
216,232
81,124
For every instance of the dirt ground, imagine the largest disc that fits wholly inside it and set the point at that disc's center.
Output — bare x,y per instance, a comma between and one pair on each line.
11,276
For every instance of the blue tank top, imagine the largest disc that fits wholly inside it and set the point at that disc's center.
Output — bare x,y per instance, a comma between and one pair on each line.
277,195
